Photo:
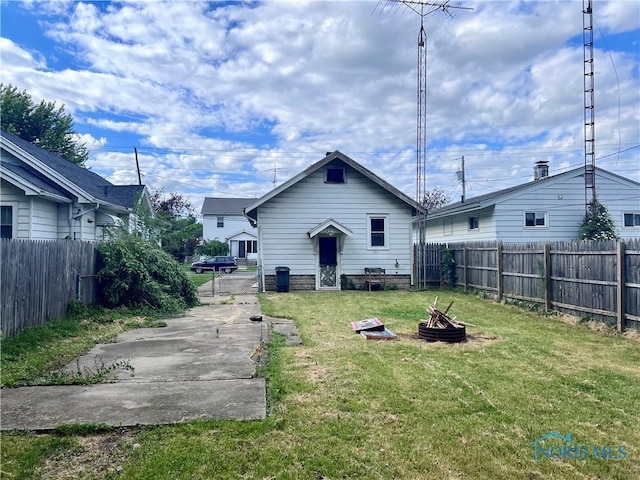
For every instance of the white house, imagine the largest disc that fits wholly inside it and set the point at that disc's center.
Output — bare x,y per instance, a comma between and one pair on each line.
334,218
45,197
224,220
549,208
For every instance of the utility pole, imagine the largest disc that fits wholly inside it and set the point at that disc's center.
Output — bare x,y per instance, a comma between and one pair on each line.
461,179
135,150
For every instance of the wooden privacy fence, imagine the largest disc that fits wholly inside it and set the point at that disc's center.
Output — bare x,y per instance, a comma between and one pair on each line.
38,280
586,279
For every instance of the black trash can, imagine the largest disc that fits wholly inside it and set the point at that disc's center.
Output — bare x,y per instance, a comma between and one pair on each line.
282,279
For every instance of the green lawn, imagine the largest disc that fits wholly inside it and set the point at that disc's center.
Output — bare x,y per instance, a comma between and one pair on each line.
344,407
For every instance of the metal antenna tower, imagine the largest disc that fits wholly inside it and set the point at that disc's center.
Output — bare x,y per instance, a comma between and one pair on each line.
589,117
422,8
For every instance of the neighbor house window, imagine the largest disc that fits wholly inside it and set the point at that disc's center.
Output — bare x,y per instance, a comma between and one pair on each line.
6,221
220,222
378,235
334,175
447,226
632,219
474,223
535,219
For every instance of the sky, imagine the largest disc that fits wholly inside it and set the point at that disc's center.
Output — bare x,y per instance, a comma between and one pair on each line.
228,99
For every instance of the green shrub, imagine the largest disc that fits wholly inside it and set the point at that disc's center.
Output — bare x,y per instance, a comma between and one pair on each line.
138,274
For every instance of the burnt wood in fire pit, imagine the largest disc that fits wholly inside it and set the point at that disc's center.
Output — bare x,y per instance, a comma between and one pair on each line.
440,327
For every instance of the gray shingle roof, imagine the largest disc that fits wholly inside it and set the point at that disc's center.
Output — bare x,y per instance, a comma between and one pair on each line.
90,182
493,197
225,206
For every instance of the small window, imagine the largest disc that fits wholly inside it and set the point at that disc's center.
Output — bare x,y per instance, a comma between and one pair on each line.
334,175
6,221
474,223
220,222
535,219
632,219
377,231
447,226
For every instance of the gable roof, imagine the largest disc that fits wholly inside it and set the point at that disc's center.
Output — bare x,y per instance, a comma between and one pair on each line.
337,155
224,206
55,175
489,199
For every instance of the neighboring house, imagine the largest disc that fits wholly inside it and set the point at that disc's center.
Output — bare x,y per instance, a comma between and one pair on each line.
549,208
45,197
334,218
224,220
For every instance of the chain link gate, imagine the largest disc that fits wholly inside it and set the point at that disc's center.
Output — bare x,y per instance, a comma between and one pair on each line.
240,282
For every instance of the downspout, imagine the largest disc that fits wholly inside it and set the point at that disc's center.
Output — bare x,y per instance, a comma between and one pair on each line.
82,214
260,251
70,220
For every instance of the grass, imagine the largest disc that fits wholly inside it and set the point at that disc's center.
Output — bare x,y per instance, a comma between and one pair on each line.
343,407
37,355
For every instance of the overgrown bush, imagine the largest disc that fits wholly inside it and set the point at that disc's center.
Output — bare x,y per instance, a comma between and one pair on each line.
449,275
138,274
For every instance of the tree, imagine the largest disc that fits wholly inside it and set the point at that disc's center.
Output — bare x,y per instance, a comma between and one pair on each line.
170,205
42,124
180,232
434,199
597,224
213,248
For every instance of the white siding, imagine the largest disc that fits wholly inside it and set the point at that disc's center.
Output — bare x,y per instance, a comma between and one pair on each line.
562,202
232,224
455,228
44,219
285,220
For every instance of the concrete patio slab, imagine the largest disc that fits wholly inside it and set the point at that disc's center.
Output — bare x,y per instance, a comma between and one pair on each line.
201,365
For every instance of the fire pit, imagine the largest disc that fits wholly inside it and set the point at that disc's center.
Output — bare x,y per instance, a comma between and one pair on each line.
440,327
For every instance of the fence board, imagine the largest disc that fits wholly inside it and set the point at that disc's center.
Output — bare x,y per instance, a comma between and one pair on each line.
579,278
39,280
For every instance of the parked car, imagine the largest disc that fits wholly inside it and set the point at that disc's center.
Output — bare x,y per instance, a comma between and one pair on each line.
224,264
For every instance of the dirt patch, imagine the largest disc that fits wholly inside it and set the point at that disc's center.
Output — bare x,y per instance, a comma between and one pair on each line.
598,326
632,335
474,340
315,373
94,456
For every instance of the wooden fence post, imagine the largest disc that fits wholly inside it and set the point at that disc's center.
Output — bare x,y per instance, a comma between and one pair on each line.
499,270
547,277
465,259
620,280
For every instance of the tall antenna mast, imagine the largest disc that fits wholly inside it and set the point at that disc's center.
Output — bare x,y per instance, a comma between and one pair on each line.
423,9
589,114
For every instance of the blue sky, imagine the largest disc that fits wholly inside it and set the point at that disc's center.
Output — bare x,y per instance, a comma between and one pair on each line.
220,98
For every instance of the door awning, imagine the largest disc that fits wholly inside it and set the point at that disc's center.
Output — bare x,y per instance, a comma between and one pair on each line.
106,220
329,227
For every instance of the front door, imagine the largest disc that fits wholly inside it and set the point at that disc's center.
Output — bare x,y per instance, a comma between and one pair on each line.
241,249
328,258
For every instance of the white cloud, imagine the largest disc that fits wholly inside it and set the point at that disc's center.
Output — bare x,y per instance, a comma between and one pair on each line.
219,94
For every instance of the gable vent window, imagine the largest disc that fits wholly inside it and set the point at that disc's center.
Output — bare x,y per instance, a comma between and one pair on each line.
535,219
632,219
334,175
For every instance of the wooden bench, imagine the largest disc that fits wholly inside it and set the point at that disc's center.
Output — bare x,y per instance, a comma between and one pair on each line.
375,276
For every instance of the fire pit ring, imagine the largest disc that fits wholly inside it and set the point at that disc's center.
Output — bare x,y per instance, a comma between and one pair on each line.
434,334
